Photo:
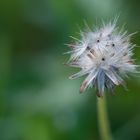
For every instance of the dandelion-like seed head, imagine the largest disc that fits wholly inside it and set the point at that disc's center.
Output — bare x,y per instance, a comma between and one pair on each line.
104,56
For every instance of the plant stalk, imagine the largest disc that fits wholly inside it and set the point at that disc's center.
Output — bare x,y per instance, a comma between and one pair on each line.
103,122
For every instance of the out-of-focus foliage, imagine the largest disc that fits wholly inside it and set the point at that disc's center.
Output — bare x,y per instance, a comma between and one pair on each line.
37,100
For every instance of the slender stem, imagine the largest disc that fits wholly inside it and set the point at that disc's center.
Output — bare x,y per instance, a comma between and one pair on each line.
103,121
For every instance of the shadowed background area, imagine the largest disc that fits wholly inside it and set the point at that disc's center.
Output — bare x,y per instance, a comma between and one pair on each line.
37,100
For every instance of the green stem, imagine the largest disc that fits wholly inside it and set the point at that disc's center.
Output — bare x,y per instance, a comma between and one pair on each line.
104,127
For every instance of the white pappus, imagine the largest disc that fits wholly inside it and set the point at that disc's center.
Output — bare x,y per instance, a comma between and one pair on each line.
104,55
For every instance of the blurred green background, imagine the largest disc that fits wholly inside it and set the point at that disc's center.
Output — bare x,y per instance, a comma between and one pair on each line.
37,100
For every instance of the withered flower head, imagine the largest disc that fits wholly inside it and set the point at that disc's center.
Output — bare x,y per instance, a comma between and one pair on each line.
104,55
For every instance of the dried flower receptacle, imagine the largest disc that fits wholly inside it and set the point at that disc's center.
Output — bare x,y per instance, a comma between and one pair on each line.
105,56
